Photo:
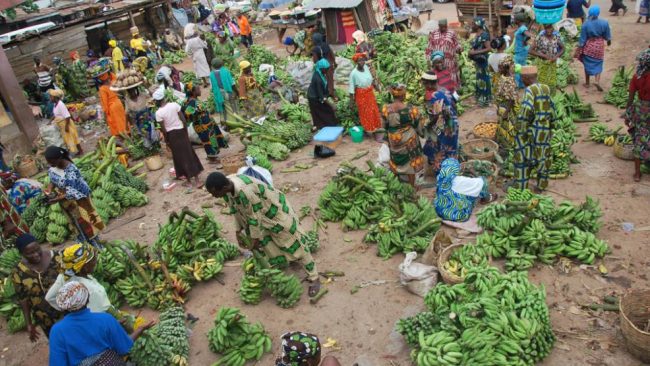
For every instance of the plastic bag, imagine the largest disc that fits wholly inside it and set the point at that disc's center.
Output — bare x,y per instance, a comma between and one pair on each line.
50,134
301,71
194,137
383,156
255,171
417,277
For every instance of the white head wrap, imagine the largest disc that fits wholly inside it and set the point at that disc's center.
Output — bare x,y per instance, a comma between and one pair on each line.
190,30
72,296
267,68
468,186
359,36
159,94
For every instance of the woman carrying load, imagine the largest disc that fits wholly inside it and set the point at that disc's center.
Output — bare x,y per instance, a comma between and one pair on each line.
224,90
250,92
207,130
441,131
362,94
637,115
591,52
65,123
112,106
479,54
549,48
401,122
506,101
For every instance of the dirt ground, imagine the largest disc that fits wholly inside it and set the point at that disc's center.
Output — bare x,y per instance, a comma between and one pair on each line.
363,323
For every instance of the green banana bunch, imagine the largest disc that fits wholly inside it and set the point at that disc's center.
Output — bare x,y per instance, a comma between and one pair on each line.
439,348
467,71
618,94
286,289
260,156
166,343
411,327
9,259
236,339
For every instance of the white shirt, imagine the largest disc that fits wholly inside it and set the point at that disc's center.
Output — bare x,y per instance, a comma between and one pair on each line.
98,301
494,59
168,115
61,111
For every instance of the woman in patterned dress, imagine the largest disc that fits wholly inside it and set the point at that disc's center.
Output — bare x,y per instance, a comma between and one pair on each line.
33,276
19,191
401,121
456,196
250,92
140,116
548,47
208,131
479,54
637,116
506,101
73,193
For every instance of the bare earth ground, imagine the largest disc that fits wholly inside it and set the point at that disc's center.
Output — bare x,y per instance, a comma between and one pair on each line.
362,323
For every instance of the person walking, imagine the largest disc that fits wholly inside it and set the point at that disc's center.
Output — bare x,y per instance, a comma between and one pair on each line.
575,10
445,41
208,131
637,115
112,107
549,48
250,91
195,47
479,54
505,99
245,29
64,121
322,50
322,112
117,56
224,90
617,5
362,94
533,130
595,32
644,10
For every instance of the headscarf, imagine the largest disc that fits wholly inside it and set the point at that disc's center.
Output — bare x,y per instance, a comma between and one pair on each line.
449,179
74,55
159,94
528,70
189,31
359,36
643,60
358,56
429,76
55,152
594,11
506,62
72,296
23,241
480,22
56,93
319,42
298,349
75,257
103,76
243,66
437,55
318,68
112,43
442,21
398,90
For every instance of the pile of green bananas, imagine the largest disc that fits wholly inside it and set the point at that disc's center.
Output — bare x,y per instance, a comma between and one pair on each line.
409,229
598,132
490,319
286,289
171,58
164,344
618,94
345,112
260,156
58,228
527,227
237,340
566,75
466,257
580,111
563,136
9,259
36,216
467,71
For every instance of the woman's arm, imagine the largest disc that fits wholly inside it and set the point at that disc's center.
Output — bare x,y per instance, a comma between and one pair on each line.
27,313
562,50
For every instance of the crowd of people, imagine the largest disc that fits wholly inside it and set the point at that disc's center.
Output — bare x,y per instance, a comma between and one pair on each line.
56,289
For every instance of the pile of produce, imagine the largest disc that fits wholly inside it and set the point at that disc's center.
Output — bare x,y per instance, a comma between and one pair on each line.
136,146
395,218
237,340
189,77
598,132
189,249
258,277
127,78
490,319
528,227
566,75
580,111
618,94
9,309
164,344
171,58
467,71
478,168
345,112
564,136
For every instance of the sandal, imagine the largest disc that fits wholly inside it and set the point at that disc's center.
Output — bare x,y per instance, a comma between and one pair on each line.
314,288
491,198
598,87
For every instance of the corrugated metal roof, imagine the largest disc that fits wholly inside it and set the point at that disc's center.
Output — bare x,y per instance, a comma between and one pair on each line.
329,4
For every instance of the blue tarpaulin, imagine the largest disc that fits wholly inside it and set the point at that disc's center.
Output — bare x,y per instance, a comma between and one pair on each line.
181,16
270,4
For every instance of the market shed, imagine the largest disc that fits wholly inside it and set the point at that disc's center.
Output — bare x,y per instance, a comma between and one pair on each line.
343,17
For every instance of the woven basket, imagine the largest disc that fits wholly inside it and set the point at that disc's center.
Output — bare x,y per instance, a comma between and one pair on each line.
232,163
623,151
447,276
27,168
439,242
475,131
480,145
495,170
634,316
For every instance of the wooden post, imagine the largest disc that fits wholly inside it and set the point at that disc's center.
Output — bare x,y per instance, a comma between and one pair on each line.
13,95
490,14
131,20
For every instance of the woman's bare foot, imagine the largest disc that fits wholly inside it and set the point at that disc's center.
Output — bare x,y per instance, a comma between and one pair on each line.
637,177
586,85
598,87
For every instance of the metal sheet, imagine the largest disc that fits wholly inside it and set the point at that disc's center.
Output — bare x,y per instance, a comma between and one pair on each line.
333,4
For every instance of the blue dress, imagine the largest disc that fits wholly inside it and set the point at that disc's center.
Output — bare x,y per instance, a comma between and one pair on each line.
446,136
451,205
593,35
521,51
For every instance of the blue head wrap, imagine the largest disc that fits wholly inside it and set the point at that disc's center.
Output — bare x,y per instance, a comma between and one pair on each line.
320,65
437,55
594,11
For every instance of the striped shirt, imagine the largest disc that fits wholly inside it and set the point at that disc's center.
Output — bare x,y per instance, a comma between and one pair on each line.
445,80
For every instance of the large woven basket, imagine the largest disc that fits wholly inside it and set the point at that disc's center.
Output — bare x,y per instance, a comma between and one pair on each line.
480,149
232,163
635,318
623,151
491,126
495,170
447,276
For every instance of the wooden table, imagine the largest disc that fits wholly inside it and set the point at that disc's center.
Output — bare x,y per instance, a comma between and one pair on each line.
282,28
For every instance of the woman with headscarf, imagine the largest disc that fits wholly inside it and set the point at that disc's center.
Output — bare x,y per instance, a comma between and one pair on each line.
322,50
117,56
208,131
505,98
322,112
548,47
77,263
77,83
456,196
444,75
11,221
224,90
637,115
20,191
112,107
362,94
401,122
73,193
302,349
479,54
591,45
64,121
31,278
363,46
195,47
441,131
140,115
83,337
250,92
522,36
174,129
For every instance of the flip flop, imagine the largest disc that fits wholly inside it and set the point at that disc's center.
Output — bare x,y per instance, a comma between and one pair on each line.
314,288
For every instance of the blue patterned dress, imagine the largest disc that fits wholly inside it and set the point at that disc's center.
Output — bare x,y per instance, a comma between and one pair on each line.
441,138
483,82
451,205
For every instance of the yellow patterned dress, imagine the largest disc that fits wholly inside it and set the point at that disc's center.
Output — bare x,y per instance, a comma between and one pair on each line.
406,155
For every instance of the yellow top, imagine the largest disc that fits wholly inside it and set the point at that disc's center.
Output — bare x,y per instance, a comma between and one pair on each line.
118,64
138,44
